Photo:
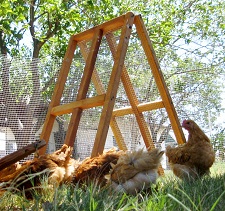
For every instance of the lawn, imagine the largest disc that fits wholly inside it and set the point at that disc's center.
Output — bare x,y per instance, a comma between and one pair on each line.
170,193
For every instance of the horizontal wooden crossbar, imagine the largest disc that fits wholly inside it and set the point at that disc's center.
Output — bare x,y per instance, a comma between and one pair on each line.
141,108
84,104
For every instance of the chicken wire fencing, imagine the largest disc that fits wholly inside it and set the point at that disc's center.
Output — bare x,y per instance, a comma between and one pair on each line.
27,86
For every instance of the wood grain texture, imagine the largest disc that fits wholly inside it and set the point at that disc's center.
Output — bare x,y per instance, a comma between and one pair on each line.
20,154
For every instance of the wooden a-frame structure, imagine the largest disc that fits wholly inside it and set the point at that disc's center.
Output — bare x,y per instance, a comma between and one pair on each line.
106,98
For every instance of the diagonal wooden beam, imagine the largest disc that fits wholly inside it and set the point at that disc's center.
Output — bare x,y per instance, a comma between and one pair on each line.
157,73
113,86
132,97
100,90
57,94
20,154
83,89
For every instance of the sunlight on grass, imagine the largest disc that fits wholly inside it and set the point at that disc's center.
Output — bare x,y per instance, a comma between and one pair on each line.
218,168
170,193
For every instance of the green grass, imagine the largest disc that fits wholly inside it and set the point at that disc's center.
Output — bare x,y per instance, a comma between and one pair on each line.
170,193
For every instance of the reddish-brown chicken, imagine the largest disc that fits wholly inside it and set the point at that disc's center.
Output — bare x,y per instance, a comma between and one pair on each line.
58,166
94,169
194,158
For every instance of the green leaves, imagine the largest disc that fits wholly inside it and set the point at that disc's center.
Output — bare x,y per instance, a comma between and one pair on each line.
12,14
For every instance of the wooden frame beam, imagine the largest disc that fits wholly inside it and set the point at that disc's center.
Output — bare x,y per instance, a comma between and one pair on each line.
113,86
83,104
59,87
111,25
100,90
157,73
131,96
20,154
83,89
142,107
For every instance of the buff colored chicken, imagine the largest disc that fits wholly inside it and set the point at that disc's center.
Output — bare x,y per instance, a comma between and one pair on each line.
135,171
194,158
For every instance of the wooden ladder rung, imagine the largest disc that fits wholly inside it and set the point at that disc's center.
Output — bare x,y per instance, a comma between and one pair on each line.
141,108
84,104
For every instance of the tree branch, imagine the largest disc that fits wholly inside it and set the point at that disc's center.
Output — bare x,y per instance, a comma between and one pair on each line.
31,23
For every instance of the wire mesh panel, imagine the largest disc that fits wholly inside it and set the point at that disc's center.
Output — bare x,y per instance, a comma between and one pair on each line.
189,100
27,87
24,100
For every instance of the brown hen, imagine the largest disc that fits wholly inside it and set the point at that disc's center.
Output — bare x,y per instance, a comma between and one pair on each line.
194,158
95,169
58,167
